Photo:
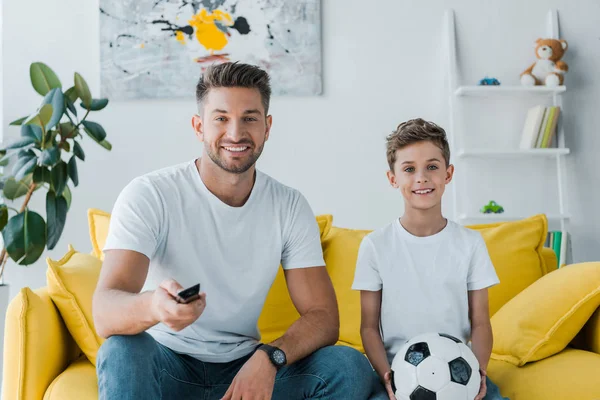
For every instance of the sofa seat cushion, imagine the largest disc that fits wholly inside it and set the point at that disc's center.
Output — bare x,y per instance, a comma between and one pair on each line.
569,375
78,381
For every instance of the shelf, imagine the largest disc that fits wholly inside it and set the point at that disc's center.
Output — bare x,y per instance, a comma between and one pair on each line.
551,152
485,91
508,217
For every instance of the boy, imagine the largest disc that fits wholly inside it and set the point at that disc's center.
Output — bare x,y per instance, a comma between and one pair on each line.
423,273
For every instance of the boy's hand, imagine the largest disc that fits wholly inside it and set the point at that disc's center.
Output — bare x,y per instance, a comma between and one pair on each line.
482,387
388,385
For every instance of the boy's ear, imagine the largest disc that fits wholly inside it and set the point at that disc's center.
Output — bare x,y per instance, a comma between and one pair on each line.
392,178
449,173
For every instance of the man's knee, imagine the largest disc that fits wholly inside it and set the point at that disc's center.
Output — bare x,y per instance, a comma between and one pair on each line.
346,362
126,349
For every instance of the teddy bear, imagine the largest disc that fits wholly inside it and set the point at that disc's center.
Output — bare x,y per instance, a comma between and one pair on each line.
548,69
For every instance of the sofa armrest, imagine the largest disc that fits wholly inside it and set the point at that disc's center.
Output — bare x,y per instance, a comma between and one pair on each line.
37,345
550,259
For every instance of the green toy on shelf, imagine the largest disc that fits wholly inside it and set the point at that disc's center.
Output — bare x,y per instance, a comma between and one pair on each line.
492,208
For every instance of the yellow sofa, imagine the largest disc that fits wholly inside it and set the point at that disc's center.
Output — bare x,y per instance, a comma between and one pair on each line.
545,320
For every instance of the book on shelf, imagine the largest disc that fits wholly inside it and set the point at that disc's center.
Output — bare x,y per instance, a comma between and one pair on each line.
540,128
557,241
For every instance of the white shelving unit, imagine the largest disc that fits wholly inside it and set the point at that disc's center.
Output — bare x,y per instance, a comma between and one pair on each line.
464,153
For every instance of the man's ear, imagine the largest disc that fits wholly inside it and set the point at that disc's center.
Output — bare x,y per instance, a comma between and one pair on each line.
392,178
449,173
198,128
269,124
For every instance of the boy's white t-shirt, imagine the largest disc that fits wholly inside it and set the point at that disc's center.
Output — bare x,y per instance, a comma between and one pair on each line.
424,280
234,252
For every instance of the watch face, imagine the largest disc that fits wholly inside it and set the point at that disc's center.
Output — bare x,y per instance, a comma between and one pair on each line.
279,357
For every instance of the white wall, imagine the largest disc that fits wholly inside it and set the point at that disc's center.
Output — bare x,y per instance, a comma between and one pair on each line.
381,65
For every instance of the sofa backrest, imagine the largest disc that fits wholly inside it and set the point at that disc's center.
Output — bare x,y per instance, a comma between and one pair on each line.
516,250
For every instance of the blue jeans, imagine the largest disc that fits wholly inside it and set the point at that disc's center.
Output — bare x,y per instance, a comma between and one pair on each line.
138,367
379,392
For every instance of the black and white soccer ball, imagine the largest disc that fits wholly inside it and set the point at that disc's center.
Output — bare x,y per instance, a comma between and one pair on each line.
435,366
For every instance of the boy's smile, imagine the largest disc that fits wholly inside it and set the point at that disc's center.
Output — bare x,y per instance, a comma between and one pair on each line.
421,174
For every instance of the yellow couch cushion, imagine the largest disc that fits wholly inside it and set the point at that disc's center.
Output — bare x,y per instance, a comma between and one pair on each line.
37,345
340,249
545,317
71,284
515,248
98,223
568,375
78,381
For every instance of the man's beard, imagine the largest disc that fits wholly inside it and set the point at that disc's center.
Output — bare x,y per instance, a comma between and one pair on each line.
235,169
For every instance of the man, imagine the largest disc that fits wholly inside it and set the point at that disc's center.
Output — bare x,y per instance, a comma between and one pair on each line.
219,222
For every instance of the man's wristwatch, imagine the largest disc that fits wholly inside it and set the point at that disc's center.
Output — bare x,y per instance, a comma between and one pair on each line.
276,355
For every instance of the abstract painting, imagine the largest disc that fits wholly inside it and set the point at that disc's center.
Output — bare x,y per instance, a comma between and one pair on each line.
159,48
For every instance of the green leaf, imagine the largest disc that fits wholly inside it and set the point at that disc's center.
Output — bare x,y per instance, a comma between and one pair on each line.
56,98
24,166
56,213
72,170
78,150
68,130
97,104
71,106
25,237
38,174
18,121
71,94
32,131
106,144
68,196
83,91
6,158
66,146
59,177
96,131
21,143
50,156
42,117
43,78
3,216
14,189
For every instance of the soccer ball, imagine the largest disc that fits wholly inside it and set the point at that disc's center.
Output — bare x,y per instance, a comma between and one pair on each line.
435,366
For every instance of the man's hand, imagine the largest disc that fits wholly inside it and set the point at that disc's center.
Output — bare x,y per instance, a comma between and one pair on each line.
254,381
388,385
482,387
167,310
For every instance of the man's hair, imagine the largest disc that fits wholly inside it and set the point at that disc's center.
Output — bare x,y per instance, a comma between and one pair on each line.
234,75
414,131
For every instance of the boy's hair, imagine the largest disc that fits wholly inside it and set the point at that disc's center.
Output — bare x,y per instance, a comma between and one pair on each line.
414,131
234,75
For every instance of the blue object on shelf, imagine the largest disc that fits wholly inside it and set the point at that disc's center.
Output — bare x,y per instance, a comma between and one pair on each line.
489,82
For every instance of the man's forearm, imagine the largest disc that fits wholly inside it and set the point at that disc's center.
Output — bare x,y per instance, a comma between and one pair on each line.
313,330
371,340
117,312
482,342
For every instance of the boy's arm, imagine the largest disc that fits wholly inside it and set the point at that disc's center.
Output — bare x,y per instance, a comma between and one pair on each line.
370,302
481,327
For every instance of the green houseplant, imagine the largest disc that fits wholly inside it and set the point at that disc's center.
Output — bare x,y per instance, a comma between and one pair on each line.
45,157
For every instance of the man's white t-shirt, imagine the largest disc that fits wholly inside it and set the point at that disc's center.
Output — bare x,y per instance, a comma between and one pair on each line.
234,252
424,280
